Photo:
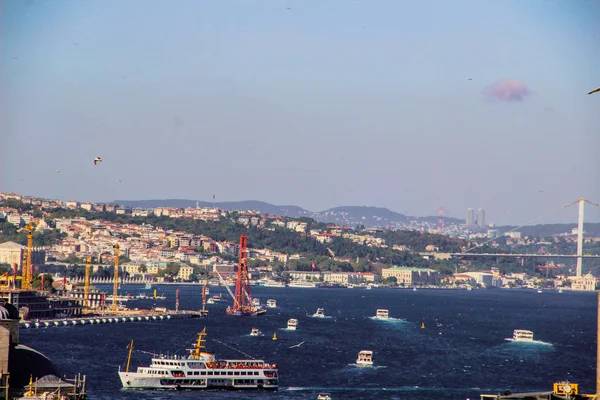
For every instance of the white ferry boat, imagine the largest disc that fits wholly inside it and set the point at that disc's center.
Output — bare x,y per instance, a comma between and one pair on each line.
319,313
292,324
273,284
382,313
302,284
255,332
271,303
200,370
522,335
365,358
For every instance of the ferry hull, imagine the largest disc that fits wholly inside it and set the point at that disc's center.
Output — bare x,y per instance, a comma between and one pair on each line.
134,380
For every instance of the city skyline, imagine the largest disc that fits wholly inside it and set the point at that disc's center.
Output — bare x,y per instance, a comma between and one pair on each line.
404,105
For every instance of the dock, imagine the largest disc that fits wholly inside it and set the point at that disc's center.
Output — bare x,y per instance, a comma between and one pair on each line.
110,319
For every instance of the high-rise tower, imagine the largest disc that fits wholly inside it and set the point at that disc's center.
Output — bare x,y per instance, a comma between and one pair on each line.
481,217
470,217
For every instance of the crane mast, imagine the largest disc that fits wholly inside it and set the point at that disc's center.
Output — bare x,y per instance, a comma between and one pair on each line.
27,274
116,279
86,289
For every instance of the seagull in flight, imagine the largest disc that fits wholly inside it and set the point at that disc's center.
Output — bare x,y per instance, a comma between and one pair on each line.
97,160
297,345
57,171
594,91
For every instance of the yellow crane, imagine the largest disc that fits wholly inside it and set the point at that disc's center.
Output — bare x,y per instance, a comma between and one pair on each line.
27,267
86,288
116,279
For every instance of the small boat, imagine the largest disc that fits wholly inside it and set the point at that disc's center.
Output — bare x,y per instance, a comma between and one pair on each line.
369,287
365,358
141,296
414,289
539,290
382,313
210,301
255,332
216,298
271,303
148,286
292,324
323,396
319,313
560,291
522,335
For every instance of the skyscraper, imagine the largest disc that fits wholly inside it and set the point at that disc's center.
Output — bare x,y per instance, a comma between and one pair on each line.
481,217
470,217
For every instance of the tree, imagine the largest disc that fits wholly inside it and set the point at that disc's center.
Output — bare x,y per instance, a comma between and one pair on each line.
390,280
142,269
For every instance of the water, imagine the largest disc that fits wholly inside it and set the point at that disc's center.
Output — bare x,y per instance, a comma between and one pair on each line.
460,353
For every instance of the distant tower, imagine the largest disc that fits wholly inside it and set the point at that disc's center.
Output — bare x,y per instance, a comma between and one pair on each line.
481,217
470,217
441,213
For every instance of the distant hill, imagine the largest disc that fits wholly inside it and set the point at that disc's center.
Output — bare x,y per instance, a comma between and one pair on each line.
360,215
346,215
264,208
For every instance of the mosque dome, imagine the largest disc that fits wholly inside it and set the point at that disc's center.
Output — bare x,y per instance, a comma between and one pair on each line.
23,362
8,311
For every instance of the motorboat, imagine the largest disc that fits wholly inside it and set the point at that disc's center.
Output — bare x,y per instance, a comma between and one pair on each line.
292,324
255,332
522,335
319,313
271,303
382,313
365,358
323,396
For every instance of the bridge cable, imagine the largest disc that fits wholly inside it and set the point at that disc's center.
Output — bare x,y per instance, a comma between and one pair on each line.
525,224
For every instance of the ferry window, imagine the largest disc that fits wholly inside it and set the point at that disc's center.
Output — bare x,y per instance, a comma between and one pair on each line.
236,372
190,373
229,372
203,373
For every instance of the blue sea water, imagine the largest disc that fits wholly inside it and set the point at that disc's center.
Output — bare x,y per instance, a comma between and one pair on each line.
460,353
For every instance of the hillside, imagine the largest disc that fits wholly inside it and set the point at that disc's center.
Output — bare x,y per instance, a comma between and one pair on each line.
345,215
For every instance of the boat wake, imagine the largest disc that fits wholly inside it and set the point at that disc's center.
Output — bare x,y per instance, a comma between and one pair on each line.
528,342
366,367
389,319
324,317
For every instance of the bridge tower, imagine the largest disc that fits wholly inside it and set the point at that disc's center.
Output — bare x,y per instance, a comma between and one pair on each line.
580,239
441,213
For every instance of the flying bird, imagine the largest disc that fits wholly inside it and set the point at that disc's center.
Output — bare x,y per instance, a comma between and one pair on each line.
118,181
594,91
97,160
57,171
470,79
297,345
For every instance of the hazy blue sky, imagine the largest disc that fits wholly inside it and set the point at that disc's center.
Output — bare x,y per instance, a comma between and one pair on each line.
324,104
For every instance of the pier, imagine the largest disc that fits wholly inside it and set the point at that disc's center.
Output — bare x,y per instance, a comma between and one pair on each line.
110,319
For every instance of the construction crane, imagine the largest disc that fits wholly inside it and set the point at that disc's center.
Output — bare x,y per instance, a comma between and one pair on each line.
86,288
116,279
27,267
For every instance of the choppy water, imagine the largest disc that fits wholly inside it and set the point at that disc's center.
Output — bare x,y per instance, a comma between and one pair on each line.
460,353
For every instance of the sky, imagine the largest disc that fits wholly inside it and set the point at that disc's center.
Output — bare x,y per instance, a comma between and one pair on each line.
409,105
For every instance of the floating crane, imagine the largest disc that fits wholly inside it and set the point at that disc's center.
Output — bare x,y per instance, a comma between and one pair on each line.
86,288
116,279
204,311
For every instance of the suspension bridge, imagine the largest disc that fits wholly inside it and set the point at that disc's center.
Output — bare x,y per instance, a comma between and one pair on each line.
579,255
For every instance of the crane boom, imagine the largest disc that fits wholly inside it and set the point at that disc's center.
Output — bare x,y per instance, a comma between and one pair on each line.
116,279
86,289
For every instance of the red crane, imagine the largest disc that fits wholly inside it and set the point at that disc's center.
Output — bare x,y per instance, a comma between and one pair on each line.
242,300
